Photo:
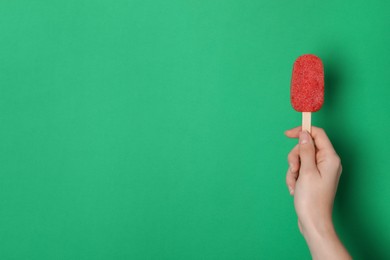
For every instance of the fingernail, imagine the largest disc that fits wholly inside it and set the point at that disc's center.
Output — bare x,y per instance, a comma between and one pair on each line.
304,137
290,189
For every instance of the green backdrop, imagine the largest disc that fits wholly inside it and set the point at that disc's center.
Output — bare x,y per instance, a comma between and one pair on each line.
154,129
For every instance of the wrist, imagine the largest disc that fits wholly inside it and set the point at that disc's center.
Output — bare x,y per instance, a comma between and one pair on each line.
319,230
323,241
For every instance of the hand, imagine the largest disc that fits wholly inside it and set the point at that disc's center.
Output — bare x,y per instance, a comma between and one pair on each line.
312,177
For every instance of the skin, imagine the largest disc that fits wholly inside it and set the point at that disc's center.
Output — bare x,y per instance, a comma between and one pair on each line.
312,178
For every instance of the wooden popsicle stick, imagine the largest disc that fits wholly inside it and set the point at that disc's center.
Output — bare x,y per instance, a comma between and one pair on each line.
306,121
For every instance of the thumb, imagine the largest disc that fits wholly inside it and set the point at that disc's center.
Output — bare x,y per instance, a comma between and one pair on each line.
307,153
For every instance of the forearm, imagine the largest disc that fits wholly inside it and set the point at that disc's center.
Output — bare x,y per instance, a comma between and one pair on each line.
324,243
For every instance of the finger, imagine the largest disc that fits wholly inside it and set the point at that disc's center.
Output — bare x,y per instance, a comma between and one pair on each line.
293,159
333,166
294,132
291,179
319,136
307,153
292,172
321,140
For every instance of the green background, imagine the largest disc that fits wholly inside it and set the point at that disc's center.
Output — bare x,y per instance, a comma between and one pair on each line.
154,129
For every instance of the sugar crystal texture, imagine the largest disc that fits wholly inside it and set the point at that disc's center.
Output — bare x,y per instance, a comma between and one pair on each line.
307,84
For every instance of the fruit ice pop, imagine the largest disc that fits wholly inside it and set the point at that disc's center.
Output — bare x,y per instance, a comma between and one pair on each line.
307,87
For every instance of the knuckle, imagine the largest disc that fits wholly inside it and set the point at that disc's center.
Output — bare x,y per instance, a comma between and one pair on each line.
335,160
291,156
340,169
289,179
335,163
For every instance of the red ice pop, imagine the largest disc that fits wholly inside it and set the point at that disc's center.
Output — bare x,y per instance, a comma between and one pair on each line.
307,87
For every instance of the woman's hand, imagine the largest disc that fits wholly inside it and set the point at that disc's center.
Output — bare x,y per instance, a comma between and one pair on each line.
312,177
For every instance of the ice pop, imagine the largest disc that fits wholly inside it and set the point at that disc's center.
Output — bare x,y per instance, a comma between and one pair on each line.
307,87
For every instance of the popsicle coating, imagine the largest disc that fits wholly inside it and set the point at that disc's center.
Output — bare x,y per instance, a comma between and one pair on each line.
307,84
